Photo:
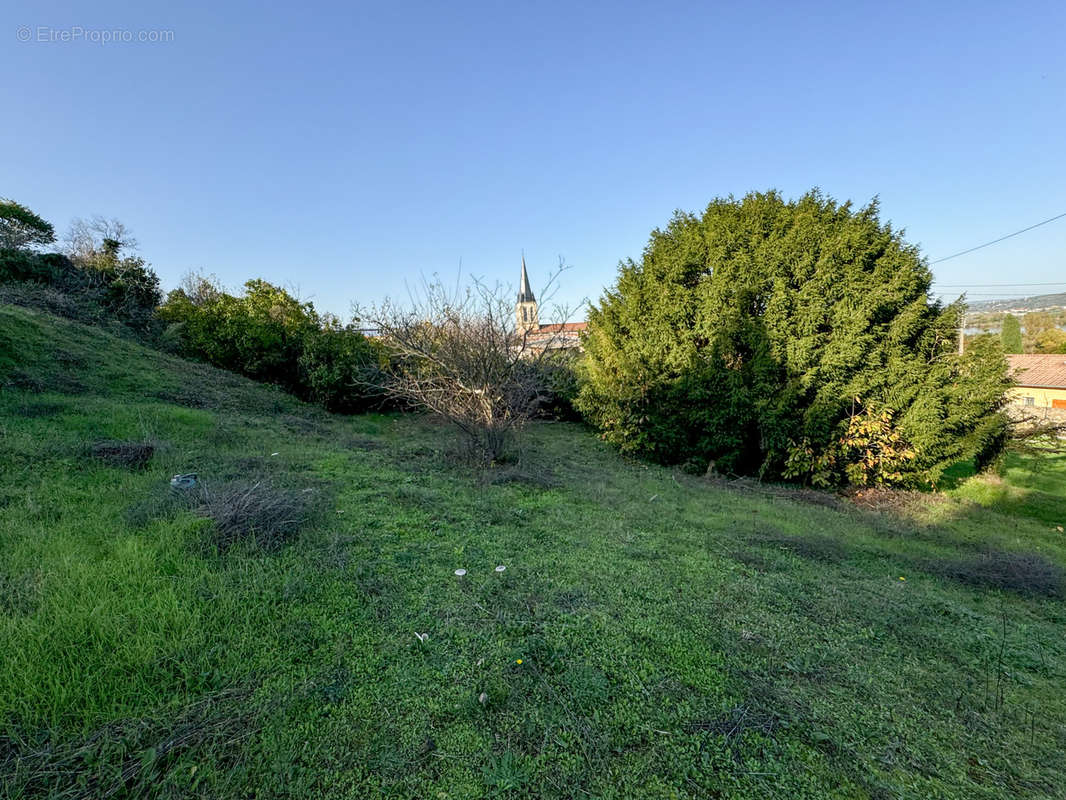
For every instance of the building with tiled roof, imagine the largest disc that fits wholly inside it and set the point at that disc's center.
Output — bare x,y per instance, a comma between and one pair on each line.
560,336
1041,380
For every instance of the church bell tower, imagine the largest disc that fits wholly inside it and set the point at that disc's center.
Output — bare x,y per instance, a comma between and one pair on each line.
525,308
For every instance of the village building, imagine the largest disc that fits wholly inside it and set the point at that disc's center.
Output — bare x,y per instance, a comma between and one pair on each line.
558,336
1041,381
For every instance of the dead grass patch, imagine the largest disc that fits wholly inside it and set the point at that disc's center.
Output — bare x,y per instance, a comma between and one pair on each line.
815,547
757,561
128,758
58,382
256,511
533,476
19,593
1023,573
796,494
361,443
130,455
738,721
902,502
36,410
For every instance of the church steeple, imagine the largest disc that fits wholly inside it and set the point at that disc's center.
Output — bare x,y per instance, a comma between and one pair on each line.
525,307
525,294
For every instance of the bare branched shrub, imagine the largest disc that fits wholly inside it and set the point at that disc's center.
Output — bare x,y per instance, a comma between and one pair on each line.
1037,433
255,511
458,353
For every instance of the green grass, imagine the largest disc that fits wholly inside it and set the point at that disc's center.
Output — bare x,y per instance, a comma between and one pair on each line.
677,638
1030,485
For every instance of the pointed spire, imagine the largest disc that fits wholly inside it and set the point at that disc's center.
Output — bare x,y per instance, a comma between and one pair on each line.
525,294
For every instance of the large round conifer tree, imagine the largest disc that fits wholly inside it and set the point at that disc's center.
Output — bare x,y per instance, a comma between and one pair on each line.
789,339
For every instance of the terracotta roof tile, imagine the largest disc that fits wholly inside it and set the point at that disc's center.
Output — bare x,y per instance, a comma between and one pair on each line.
1043,371
557,328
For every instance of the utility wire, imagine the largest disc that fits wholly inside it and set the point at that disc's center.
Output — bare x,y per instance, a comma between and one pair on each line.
987,285
1000,239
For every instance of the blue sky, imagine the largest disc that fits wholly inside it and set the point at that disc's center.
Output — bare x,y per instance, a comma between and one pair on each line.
345,148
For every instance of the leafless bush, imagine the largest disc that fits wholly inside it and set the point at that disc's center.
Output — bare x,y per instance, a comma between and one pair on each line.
255,511
1037,433
458,353
131,455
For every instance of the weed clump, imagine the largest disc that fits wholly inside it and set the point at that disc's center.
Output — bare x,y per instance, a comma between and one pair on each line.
1024,573
131,455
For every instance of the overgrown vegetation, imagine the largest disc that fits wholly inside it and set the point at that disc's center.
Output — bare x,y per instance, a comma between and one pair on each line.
746,337
269,335
679,637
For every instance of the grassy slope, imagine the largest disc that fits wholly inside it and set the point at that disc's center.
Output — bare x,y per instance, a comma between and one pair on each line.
677,639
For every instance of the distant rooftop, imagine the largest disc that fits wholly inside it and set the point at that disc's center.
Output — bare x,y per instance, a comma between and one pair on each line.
1039,371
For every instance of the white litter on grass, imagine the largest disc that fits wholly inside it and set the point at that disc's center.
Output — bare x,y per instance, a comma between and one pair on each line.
275,454
460,572
500,568
421,636
483,698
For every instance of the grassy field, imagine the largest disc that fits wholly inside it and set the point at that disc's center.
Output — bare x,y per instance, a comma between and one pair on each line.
653,635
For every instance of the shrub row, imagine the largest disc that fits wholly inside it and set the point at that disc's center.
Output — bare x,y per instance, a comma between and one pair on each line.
268,335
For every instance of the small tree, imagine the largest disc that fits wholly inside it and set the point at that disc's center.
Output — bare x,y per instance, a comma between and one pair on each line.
21,228
1036,324
89,241
1050,341
457,353
1011,334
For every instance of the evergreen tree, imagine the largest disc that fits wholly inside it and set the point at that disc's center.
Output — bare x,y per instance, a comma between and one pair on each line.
21,228
1011,334
788,340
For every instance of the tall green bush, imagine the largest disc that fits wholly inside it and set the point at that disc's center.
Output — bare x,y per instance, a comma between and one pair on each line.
749,337
341,369
1011,334
269,335
122,290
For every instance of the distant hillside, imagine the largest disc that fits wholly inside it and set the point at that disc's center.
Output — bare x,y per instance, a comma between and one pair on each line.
1039,302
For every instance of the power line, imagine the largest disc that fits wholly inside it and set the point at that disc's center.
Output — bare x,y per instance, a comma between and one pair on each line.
983,294
1000,239
986,286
